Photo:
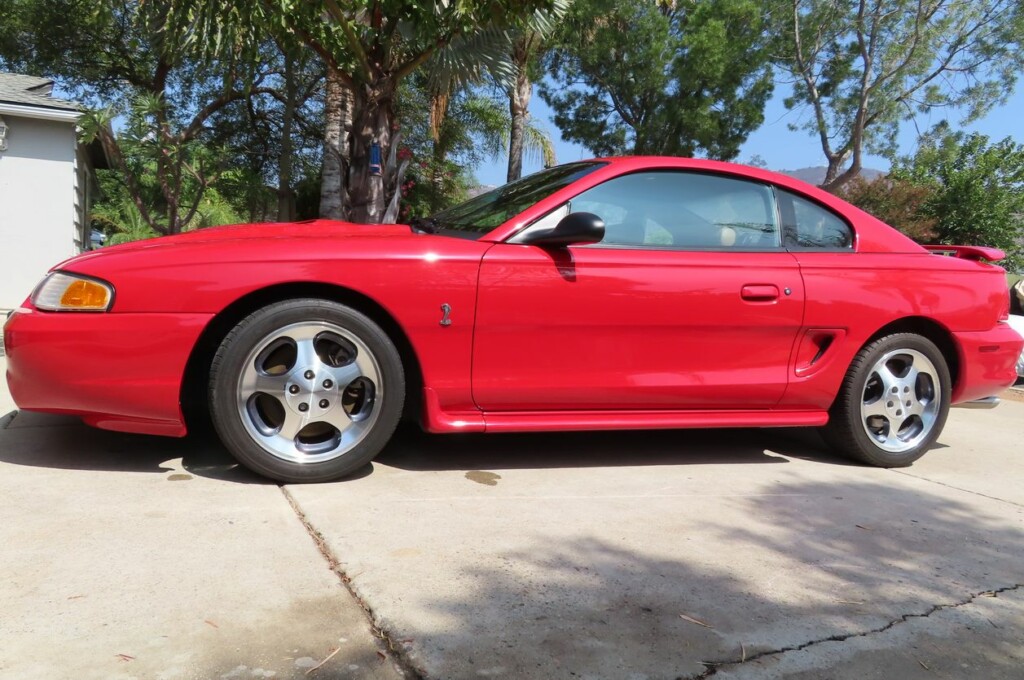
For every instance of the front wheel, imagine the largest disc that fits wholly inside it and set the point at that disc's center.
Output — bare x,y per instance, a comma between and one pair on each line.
893,403
306,390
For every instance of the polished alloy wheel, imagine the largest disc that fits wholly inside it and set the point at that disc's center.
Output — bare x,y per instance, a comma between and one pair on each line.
901,401
309,392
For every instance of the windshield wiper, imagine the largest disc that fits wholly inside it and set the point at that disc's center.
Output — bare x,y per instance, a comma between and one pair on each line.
424,225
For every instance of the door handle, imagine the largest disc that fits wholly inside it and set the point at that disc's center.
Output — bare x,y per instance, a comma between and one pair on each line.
759,292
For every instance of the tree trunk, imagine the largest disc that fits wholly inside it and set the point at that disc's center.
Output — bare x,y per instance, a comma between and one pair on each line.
285,195
337,111
438,154
518,106
439,151
370,190
836,163
841,179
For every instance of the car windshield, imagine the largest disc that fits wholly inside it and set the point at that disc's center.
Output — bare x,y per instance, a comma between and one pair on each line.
487,211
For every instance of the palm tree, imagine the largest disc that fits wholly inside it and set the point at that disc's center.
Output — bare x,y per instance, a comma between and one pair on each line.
492,121
527,45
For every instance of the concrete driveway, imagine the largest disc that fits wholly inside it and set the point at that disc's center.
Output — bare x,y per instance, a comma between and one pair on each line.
749,554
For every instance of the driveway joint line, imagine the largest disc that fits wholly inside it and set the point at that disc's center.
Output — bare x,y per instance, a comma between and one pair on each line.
712,668
393,651
957,488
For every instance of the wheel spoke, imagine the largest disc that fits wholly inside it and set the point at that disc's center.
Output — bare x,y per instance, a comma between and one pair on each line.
354,432
910,379
343,375
306,357
916,408
888,378
928,417
891,438
367,368
338,418
292,424
253,381
875,408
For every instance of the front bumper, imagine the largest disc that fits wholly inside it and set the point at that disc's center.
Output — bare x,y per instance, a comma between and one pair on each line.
987,362
117,371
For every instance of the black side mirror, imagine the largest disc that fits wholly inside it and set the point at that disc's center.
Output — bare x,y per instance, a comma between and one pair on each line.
576,228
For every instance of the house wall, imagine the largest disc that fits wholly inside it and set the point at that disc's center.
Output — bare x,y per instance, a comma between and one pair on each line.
37,203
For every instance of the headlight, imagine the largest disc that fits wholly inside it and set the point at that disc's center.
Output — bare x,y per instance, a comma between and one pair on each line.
64,292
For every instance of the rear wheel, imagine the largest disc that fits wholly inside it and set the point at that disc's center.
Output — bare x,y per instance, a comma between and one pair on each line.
306,390
893,402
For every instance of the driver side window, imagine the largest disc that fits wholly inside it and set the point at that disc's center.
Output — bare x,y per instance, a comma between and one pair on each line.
682,210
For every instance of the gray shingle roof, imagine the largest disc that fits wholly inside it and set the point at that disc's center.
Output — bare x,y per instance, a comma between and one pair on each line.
31,91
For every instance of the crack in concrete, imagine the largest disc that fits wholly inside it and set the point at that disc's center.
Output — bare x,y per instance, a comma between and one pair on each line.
957,488
386,641
712,668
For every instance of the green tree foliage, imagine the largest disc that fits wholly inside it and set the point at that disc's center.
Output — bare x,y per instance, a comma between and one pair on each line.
863,67
175,120
372,46
273,141
899,203
977,190
660,77
474,128
153,100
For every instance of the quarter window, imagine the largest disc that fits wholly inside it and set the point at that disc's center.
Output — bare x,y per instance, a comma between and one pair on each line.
684,210
808,226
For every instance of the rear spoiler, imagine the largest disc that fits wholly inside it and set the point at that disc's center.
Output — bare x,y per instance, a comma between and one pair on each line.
980,253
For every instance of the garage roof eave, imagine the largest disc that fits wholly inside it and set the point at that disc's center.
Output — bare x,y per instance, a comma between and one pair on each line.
39,112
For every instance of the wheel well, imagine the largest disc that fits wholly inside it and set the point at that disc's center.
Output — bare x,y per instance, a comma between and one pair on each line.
197,370
930,329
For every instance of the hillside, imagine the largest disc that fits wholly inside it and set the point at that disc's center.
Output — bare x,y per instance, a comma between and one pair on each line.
815,175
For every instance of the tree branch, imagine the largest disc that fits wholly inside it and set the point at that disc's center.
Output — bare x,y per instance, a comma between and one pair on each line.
350,36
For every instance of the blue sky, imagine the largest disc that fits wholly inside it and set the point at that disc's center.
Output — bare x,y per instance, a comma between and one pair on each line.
781,148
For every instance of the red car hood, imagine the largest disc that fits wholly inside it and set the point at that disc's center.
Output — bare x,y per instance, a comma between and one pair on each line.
320,229
288,230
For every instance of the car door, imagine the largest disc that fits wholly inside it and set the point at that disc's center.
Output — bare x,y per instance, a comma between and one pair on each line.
689,302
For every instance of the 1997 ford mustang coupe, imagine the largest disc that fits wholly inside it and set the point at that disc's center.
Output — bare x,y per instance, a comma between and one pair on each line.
627,293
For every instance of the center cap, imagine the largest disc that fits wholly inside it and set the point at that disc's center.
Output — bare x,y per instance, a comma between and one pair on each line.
304,396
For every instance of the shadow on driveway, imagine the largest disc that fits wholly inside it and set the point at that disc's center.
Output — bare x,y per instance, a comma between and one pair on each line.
64,442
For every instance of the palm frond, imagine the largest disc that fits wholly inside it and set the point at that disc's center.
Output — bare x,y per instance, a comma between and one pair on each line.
468,58
537,145
545,21
492,121
123,219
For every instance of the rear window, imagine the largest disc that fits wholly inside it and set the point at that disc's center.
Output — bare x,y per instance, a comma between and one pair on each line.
809,226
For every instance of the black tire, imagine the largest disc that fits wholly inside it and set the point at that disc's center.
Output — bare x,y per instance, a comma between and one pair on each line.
847,432
229,415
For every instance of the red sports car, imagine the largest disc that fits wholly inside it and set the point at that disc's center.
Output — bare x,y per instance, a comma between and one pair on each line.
626,293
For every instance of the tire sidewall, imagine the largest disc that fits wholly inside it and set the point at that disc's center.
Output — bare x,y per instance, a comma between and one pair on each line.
229,363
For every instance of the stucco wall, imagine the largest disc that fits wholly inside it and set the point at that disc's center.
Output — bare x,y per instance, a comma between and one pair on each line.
37,204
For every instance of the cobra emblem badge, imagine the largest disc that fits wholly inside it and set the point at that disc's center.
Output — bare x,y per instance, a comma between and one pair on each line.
446,310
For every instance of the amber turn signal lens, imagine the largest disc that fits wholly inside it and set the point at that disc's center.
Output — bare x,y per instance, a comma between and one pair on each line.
64,291
82,294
